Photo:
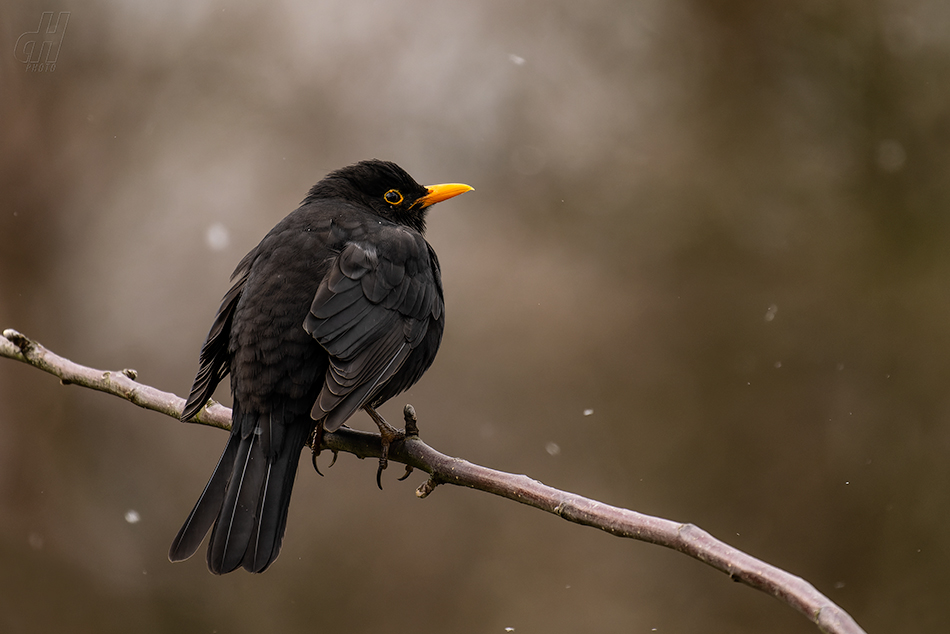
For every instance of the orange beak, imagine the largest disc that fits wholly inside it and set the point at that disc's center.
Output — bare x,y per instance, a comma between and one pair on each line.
438,193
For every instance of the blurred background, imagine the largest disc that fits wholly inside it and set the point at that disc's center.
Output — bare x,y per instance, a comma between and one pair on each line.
704,275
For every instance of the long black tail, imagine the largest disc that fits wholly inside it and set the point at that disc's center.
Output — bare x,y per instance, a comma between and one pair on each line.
247,498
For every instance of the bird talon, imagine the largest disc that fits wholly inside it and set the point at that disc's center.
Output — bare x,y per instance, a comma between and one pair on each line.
315,441
387,436
313,459
383,458
406,474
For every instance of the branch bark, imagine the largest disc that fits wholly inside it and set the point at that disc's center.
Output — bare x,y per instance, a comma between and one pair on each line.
442,469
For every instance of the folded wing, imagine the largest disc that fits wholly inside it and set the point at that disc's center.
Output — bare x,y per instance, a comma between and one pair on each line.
371,310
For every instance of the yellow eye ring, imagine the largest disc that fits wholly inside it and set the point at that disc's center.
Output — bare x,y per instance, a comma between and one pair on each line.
393,197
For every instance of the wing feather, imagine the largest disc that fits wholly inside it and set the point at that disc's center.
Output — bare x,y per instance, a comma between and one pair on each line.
214,362
370,311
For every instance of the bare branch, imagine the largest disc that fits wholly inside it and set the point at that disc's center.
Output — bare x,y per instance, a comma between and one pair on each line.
685,538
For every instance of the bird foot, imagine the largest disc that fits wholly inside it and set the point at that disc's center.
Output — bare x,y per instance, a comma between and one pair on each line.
412,431
388,435
316,441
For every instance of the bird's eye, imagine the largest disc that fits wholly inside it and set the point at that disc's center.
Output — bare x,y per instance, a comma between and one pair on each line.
393,197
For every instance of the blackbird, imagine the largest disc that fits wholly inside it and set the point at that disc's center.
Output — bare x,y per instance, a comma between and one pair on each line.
338,308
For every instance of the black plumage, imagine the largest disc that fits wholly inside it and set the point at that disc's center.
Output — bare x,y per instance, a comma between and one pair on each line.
338,308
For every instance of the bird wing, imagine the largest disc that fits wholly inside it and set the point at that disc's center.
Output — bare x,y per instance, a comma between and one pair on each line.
370,311
215,362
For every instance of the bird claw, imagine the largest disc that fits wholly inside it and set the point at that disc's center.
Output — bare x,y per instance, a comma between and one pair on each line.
316,440
313,458
387,435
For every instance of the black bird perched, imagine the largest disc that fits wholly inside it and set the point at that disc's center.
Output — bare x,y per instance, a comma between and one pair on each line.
338,308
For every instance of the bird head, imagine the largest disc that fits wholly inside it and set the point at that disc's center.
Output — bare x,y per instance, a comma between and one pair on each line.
388,190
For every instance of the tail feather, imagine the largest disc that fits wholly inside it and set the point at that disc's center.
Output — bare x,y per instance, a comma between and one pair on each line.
246,501
232,530
206,510
265,542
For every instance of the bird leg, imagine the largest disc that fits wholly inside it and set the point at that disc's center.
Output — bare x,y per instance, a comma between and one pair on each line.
388,435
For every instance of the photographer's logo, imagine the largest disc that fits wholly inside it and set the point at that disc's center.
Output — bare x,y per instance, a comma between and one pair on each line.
39,49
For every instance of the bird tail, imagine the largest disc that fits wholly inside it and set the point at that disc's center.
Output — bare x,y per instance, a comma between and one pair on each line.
246,500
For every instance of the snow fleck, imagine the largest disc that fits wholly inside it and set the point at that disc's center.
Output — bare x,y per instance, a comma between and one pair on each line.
891,156
35,540
218,237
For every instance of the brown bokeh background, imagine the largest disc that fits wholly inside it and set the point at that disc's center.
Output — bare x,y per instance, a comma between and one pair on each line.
720,226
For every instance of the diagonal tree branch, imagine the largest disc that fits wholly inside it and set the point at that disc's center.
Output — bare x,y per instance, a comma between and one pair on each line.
685,538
